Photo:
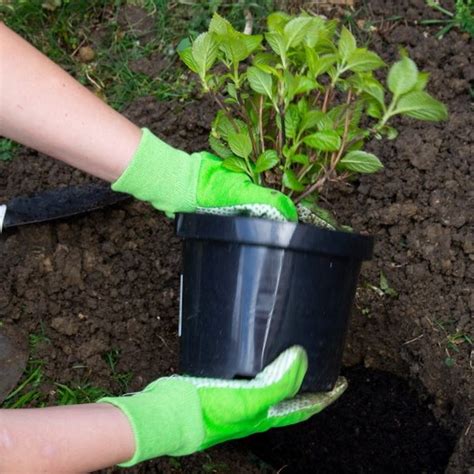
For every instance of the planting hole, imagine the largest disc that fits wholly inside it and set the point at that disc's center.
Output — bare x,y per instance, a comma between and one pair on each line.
379,425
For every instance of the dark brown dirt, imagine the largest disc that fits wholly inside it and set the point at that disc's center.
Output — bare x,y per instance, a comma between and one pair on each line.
380,418
109,280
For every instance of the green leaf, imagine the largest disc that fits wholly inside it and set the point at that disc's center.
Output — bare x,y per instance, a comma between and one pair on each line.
360,162
347,44
292,120
304,84
240,144
219,148
234,47
290,181
300,158
316,31
422,81
267,160
277,43
276,21
235,164
362,60
420,105
402,76
327,140
260,81
204,51
252,42
318,65
267,59
374,89
186,56
222,124
321,213
295,30
312,119
374,109
232,91
220,25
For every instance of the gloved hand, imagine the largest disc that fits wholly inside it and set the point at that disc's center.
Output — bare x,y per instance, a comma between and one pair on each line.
179,415
174,181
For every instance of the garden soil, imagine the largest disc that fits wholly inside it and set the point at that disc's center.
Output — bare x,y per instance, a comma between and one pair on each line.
109,281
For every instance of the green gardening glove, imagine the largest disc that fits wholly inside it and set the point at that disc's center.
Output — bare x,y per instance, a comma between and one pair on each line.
180,415
174,181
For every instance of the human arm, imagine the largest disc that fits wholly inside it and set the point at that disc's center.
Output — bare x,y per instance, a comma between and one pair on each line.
80,438
172,416
43,107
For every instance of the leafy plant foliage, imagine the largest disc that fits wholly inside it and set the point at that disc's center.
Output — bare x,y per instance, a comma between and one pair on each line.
298,103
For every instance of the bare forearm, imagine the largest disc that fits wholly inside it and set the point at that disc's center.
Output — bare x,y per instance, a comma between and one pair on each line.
78,438
44,108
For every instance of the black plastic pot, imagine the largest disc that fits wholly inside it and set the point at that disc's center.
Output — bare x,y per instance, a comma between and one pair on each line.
253,287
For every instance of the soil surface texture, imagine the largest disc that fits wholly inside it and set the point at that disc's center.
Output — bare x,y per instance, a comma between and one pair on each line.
109,282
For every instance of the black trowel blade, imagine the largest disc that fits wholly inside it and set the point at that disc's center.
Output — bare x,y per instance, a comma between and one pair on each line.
59,203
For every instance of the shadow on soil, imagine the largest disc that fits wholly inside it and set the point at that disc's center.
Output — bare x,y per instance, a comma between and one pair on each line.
379,425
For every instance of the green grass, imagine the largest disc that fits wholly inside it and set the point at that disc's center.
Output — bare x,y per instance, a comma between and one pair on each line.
453,341
7,149
60,30
30,392
122,379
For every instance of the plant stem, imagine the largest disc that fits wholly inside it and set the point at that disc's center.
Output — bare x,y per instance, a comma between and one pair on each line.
226,111
327,98
317,185
347,123
260,124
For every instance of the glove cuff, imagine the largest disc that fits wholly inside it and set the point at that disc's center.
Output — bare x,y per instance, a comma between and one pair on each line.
166,419
162,175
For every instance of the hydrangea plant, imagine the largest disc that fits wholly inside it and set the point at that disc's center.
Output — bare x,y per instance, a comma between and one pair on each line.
297,104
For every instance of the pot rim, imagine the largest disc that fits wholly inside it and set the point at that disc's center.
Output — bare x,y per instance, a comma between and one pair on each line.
246,230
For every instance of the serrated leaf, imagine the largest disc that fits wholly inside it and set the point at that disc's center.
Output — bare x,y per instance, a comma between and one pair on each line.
240,144
186,56
266,161
328,140
290,180
347,44
302,106
276,21
234,48
318,65
235,164
252,42
261,82
420,105
220,25
277,43
304,84
315,32
295,30
300,158
292,120
374,109
232,91
362,60
360,162
422,81
402,76
222,125
311,119
204,51
219,148
267,59
374,89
